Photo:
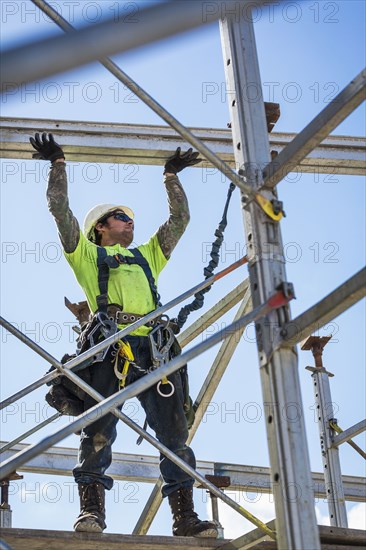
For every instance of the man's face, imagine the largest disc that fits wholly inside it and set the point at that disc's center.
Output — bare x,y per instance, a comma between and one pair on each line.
116,228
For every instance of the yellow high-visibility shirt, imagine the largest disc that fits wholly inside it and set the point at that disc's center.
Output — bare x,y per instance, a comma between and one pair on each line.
127,286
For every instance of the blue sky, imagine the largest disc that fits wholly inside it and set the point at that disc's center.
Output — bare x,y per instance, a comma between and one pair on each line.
308,51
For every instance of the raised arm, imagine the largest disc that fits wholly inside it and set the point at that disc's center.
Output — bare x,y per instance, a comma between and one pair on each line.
171,231
58,202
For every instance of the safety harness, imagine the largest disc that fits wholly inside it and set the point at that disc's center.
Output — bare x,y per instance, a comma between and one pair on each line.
163,344
161,338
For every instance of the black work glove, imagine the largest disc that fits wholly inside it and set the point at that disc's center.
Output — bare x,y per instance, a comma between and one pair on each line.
178,162
47,149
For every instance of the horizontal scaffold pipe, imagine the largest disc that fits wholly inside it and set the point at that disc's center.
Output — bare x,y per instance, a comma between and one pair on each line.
184,338
193,14
109,341
140,468
98,142
136,28
111,403
137,387
182,130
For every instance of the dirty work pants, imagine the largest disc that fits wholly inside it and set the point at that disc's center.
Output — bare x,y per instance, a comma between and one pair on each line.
165,415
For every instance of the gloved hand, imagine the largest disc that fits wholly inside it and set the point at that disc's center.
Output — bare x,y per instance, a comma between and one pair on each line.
178,162
47,149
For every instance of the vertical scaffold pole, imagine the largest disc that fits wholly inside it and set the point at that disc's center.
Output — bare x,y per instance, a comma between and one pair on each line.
290,465
325,415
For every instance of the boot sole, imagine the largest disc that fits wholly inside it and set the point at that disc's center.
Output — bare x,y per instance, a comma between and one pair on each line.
88,526
207,533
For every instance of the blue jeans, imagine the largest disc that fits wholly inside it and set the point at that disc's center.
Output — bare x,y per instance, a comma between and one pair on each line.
165,415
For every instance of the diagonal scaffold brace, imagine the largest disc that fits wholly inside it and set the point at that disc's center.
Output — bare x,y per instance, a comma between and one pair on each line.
104,406
269,204
112,339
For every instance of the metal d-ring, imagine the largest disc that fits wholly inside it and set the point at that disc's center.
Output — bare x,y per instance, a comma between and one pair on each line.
165,394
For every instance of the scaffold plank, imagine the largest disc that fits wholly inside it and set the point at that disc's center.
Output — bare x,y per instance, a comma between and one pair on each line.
37,539
152,145
331,538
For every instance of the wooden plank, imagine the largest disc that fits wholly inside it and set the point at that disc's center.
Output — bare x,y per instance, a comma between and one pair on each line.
342,535
37,539
331,538
271,545
253,539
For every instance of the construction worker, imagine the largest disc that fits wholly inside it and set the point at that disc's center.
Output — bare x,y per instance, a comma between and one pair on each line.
130,290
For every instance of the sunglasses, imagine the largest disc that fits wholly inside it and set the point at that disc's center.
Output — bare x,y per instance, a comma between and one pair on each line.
122,217
116,215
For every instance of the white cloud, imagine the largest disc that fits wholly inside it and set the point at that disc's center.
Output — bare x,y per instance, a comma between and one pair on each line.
236,525
322,519
357,516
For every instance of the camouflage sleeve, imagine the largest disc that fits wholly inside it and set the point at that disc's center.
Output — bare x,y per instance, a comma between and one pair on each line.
171,231
58,204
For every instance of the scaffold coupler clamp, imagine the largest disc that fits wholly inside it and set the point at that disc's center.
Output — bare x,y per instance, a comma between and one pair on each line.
161,339
333,423
285,293
273,208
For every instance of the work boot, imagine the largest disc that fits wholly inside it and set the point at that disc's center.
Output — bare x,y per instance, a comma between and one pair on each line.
92,510
186,521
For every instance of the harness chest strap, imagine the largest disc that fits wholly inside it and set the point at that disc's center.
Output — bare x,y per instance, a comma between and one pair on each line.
105,262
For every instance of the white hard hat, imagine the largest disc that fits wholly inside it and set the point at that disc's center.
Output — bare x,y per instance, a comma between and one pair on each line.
94,215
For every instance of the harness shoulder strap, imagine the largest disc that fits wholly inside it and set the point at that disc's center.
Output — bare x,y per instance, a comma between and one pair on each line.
103,277
144,264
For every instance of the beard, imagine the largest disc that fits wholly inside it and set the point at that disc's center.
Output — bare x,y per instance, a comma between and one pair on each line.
123,236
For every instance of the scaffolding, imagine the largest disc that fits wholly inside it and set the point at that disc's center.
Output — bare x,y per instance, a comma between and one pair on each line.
264,296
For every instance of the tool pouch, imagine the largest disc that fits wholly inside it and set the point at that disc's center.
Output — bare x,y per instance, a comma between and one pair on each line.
65,396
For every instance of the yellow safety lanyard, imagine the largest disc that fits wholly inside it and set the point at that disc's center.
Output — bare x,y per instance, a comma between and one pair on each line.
125,351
